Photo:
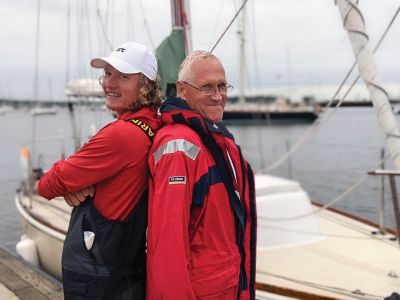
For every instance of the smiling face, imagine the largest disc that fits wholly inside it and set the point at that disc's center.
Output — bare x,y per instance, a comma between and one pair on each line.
121,90
205,72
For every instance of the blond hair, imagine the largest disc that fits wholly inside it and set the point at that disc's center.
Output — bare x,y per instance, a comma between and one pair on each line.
149,94
185,70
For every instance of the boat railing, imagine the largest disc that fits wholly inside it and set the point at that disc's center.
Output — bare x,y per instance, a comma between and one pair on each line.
393,190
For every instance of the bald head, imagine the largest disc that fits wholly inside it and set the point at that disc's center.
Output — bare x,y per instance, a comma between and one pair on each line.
185,72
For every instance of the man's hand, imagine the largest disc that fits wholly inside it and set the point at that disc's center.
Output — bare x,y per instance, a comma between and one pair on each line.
75,199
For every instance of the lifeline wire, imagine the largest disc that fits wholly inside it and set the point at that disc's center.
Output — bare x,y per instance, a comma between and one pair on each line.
357,294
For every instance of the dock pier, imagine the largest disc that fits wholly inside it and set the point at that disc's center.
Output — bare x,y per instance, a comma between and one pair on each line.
19,280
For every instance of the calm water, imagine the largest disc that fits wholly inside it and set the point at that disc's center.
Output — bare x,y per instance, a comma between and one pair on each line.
336,156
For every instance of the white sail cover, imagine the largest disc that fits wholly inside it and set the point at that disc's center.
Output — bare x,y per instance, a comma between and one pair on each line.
368,70
84,88
285,216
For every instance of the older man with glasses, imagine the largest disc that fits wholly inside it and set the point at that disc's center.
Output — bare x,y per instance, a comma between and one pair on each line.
202,215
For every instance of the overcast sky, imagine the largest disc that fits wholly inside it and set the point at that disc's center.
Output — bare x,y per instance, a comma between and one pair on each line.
288,42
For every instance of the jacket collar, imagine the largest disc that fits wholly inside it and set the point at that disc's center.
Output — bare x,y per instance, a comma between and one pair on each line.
174,110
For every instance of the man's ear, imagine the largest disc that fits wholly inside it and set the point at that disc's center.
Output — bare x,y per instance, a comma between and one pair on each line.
180,89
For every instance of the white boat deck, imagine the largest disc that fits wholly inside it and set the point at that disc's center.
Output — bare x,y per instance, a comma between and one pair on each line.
348,263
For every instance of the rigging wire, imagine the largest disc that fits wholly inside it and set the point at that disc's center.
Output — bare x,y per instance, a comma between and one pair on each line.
36,80
216,23
229,25
89,35
67,62
79,49
318,121
103,27
255,45
355,63
243,36
185,23
37,47
130,33
106,23
79,39
146,25
104,43
254,49
112,21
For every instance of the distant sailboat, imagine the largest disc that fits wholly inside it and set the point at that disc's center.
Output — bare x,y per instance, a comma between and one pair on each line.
5,109
39,111
262,108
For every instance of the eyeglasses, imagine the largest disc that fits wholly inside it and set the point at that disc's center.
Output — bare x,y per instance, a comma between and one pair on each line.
209,89
101,79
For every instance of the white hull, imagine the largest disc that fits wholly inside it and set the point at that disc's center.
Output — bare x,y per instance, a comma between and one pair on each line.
46,225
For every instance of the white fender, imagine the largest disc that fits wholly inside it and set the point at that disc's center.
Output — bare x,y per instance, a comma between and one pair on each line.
26,248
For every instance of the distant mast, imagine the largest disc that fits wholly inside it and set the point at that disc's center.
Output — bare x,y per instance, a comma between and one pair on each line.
242,62
36,82
180,13
368,70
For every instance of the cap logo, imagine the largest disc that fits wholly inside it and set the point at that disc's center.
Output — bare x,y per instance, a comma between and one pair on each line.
121,50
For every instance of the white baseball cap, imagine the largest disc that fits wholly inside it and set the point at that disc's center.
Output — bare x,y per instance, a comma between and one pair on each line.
130,58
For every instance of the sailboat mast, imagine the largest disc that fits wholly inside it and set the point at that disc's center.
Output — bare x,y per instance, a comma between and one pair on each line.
68,43
242,65
180,14
368,70
35,82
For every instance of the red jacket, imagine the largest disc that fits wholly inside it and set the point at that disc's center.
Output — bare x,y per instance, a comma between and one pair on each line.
192,250
114,160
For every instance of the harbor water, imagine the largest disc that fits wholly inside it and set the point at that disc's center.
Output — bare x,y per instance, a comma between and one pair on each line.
336,155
